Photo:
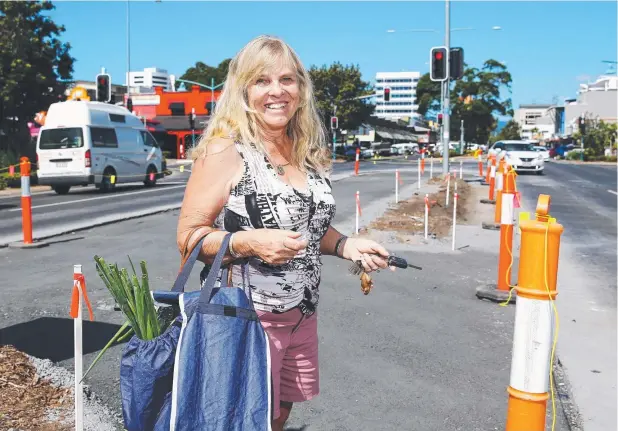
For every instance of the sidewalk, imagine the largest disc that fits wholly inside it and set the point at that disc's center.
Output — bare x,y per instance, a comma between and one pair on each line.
420,352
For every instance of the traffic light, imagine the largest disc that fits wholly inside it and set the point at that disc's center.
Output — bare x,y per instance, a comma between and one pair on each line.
387,94
104,88
334,123
440,119
438,61
581,122
456,62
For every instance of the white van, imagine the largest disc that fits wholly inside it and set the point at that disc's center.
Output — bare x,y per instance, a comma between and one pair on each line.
96,143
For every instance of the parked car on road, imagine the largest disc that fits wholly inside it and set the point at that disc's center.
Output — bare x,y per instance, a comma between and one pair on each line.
520,155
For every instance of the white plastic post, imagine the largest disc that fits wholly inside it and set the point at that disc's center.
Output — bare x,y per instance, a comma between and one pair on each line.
448,187
357,210
461,169
454,218
396,185
419,173
431,167
426,215
77,341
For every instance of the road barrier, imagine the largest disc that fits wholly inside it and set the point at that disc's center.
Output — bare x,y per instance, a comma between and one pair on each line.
357,162
502,168
492,179
426,215
448,187
533,349
431,167
507,217
461,169
480,165
419,173
422,161
26,200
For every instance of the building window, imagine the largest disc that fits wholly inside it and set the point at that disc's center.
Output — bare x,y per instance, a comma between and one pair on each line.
177,108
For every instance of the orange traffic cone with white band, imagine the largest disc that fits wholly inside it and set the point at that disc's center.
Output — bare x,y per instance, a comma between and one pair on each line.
507,217
533,340
357,162
498,190
492,179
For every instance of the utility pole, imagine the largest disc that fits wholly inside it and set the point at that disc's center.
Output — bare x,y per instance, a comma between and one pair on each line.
129,103
446,117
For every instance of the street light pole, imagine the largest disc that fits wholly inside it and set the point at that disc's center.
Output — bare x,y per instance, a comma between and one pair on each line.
128,53
446,138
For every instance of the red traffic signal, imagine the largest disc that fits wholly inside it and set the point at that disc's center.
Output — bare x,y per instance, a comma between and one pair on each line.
440,119
104,88
387,94
438,60
334,123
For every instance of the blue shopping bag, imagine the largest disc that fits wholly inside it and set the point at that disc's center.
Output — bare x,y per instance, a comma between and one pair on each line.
210,370
222,379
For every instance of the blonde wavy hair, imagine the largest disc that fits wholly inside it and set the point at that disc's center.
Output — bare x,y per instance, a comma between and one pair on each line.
233,117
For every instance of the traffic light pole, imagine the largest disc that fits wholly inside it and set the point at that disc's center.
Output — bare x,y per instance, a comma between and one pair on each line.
446,138
334,134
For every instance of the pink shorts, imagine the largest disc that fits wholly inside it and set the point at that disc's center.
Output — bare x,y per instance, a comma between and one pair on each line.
293,355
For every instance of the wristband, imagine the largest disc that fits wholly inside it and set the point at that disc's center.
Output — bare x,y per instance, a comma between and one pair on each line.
341,240
231,248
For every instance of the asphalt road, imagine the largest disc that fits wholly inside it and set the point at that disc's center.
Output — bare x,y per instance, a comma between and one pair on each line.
419,353
85,206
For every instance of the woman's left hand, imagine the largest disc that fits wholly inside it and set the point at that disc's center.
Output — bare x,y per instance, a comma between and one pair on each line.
371,254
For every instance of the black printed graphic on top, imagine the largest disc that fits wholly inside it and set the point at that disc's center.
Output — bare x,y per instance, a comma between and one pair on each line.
262,200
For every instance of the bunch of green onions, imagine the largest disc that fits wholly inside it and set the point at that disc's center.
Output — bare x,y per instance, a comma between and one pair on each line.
135,301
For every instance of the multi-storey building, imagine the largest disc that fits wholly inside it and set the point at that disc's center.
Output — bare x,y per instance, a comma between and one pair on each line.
403,103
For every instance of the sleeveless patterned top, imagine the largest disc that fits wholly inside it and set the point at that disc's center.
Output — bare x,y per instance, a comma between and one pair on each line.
262,200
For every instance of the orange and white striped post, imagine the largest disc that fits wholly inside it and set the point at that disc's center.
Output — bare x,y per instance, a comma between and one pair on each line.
489,157
357,162
499,185
398,182
507,218
492,178
533,344
426,215
26,200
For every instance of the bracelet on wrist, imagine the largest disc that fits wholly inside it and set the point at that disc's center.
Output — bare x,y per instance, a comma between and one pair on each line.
341,241
231,248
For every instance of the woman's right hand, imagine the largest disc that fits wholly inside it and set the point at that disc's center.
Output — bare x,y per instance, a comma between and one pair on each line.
273,246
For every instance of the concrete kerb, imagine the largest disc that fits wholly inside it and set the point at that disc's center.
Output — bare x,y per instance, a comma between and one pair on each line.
488,201
23,245
490,226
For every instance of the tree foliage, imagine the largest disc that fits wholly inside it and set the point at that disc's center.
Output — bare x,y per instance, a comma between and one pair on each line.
338,85
510,131
34,62
476,98
204,73
598,136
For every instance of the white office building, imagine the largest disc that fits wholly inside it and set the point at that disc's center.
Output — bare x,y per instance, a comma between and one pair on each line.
151,77
402,102
535,121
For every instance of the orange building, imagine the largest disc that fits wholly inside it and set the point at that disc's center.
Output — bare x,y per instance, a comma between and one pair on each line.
168,112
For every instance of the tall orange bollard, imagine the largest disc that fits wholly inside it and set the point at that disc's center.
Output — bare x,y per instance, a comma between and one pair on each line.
507,217
492,179
26,208
500,172
357,163
480,157
26,200
533,340
489,158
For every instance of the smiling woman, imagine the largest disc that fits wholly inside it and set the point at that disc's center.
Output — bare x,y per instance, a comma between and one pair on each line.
261,171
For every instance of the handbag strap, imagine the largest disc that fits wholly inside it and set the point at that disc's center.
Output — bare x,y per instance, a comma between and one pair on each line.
188,263
211,279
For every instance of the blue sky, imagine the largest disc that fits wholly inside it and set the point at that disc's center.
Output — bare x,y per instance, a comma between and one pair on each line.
549,47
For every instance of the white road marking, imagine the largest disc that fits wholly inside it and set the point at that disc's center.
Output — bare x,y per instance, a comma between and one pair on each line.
613,192
101,197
